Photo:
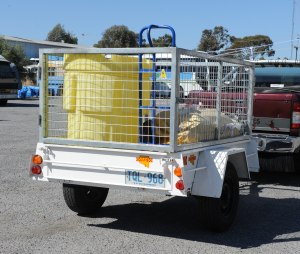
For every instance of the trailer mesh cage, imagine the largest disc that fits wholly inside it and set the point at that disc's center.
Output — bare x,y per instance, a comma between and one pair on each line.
158,99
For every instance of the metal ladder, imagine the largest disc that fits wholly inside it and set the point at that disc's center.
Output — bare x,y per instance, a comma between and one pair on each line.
153,107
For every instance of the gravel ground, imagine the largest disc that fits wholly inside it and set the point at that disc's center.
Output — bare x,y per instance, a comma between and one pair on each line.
35,219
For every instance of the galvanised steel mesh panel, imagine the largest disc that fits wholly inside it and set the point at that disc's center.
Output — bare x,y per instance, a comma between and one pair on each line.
215,102
140,100
105,97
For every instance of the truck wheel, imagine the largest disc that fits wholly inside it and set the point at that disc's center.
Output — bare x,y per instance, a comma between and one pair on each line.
84,199
3,102
218,214
279,162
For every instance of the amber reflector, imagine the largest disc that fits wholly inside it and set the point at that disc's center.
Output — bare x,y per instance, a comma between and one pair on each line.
37,159
178,171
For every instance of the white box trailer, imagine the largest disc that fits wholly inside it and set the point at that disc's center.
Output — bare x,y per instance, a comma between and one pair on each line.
106,129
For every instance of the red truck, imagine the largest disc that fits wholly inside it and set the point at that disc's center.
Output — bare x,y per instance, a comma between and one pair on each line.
276,110
276,114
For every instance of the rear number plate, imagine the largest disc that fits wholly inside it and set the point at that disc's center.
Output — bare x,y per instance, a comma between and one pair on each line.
150,179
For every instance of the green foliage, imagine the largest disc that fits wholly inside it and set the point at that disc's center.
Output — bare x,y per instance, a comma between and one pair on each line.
214,40
3,46
162,41
118,37
219,41
250,47
14,54
59,34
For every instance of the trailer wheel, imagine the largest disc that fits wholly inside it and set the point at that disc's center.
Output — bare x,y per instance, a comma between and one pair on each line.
84,200
218,214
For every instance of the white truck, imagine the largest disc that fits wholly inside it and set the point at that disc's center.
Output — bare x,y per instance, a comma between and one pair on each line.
106,129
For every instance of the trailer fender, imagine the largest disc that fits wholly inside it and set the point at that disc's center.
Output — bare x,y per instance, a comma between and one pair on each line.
208,181
239,162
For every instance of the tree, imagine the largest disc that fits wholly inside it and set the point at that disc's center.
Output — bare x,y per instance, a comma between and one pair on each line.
219,42
118,37
214,40
14,54
3,46
163,41
250,47
59,34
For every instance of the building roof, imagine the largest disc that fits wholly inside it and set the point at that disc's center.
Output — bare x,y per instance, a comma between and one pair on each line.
41,42
278,62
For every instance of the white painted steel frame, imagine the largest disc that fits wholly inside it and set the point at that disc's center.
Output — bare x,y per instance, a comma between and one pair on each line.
106,167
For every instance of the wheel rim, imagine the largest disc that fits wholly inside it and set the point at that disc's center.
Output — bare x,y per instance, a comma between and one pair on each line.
91,193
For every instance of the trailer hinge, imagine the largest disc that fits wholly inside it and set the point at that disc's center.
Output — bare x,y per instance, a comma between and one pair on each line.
40,120
167,159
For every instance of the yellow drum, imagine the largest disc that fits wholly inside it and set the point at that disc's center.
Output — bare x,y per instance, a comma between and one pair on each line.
101,96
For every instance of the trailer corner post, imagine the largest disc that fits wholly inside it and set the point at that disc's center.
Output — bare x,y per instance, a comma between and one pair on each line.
43,97
175,77
218,101
250,97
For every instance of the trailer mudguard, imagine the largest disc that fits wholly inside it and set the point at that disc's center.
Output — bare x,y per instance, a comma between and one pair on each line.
209,173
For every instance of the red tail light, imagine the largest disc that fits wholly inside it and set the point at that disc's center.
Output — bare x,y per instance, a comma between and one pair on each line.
296,116
179,185
36,170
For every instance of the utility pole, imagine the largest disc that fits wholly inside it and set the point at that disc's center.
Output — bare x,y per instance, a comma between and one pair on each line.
293,25
297,47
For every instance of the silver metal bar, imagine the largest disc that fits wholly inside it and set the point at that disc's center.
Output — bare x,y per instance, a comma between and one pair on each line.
250,98
102,166
197,169
215,58
121,51
109,145
219,98
42,97
174,93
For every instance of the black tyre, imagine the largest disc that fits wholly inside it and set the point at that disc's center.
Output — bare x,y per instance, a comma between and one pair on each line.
279,162
84,200
218,214
3,102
